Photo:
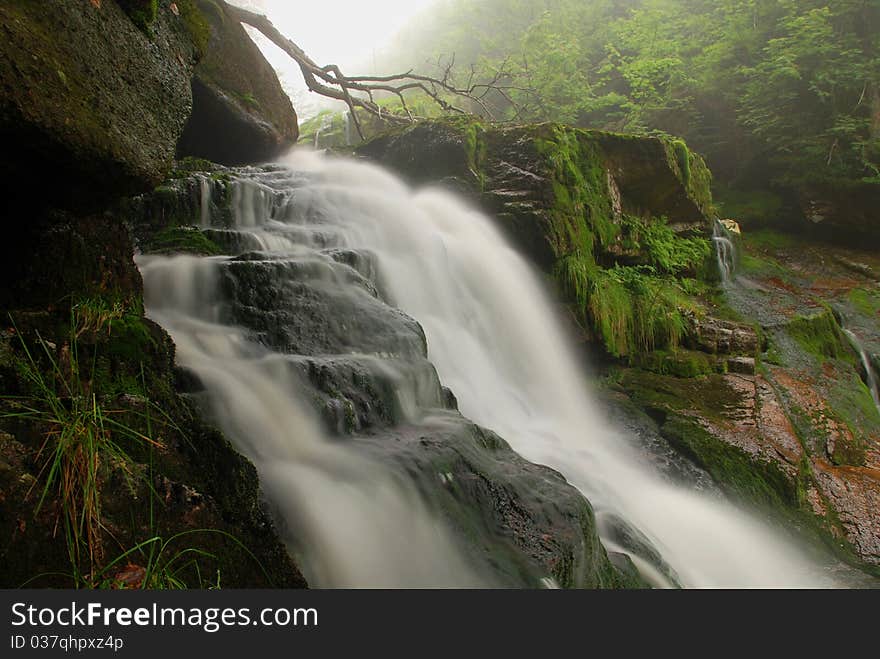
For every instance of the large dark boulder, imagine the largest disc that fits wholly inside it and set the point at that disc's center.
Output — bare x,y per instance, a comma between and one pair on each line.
89,100
848,215
241,114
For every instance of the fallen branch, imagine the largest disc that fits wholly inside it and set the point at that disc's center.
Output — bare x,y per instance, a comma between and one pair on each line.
329,81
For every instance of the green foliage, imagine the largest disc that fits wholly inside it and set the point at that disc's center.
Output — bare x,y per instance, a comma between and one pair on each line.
786,91
633,310
762,207
141,12
663,249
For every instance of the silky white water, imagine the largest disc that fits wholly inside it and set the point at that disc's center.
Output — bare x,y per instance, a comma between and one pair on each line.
496,341
725,251
356,524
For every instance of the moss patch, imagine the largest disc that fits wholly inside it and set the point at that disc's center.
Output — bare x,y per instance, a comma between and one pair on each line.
865,301
820,335
196,25
141,12
757,481
182,240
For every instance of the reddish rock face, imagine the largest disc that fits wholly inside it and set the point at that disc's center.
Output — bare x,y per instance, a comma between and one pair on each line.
807,414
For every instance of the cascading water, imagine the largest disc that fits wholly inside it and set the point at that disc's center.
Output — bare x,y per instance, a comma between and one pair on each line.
867,366
725,250
326,124
348,121
495,341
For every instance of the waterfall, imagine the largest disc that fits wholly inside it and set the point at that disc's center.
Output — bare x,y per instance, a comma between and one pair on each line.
204,201
347,117
494,338
326,124
867,365
725,251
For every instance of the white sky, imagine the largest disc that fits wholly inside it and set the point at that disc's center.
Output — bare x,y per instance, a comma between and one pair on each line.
344,32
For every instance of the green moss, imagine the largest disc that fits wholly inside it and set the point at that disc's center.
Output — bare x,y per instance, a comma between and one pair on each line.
196,25
582,218
821,336
683,160
750,264
769,240
679,363
866,302
186,240
757,481
248,99
141,12
189,165
693,173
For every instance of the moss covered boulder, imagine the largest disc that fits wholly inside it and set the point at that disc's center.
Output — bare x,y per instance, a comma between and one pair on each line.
556,189
88,92
620,222
240,112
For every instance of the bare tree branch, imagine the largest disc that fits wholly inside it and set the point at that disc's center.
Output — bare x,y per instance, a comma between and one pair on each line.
329,81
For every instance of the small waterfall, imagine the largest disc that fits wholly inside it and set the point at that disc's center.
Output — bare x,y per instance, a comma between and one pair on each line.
326,124
867,365
205,190
495,341
347,117
725,251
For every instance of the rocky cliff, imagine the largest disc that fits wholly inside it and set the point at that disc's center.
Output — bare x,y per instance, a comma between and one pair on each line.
108,476
88,93
240,113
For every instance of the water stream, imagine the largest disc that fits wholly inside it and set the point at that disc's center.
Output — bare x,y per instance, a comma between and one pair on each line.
725,251
495,340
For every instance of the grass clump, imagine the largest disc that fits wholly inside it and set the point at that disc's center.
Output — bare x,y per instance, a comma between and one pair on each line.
632,309
82,438
160,563
663,249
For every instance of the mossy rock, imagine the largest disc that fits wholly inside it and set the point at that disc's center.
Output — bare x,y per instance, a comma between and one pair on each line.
757,481
820,335
60,62
241,114
182,240
679,363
